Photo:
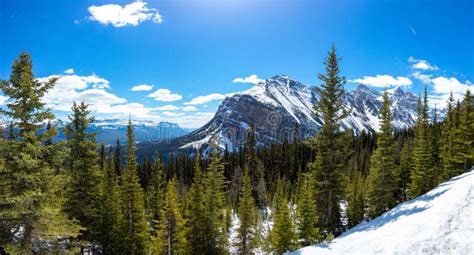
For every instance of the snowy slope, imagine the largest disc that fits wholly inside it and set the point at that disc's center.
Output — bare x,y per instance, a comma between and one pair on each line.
438,222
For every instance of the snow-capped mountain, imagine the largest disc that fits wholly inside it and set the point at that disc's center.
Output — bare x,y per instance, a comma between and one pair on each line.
438,222
280,103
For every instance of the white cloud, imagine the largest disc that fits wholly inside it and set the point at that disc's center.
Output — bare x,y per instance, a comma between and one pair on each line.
92,90
205,99
169,107
165,95
189,108
173,114
195,120
119,16
136,110
253,79
443,87
69,71
142,87
421,64
425,78
69,88
448,85
383,81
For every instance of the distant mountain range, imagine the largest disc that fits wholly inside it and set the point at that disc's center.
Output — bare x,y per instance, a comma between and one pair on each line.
280,103
109,130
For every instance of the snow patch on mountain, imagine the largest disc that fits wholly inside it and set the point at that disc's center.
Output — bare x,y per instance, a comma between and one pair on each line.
438,222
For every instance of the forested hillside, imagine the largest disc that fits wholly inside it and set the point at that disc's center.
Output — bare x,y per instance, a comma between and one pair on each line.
77,196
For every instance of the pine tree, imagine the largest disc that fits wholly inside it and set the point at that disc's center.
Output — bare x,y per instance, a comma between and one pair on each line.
84,194
381,177
328,163
154,194
307,216
422,171
466,130
283,236
112,220
118,158
402,174
214,201
172,228
355,195
449,148
32,189
247,231
136,229
196,211
255,168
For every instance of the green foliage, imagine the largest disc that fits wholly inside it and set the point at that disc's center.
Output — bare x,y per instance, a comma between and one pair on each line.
255,168
110,233
307,216
172,228
136,239
83,195
328,164
31,180
422,171
402,172
381,188
248,216
355,195
283,235
154,193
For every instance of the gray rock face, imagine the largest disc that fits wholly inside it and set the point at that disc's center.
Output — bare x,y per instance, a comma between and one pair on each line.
280,106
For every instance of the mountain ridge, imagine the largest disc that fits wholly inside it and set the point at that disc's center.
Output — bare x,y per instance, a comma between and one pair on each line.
278,104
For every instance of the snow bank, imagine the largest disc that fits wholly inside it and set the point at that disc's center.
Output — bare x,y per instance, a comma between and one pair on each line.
438,222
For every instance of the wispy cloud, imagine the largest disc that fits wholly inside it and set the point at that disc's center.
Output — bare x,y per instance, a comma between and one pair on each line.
142,87
382,81
412,30
420,64
128,15
207,98
165,95
252,79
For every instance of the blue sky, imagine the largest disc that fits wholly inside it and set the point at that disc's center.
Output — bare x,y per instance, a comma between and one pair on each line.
192,51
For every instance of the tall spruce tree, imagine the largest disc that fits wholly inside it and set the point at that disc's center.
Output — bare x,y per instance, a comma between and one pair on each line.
112,221
466,130
422,171
328,164
172,228
154,193
118,158
307,218
196,211
32,196
136,229
449,148
381,177
402,174
248,216
283,236
214,201
255,168
84,197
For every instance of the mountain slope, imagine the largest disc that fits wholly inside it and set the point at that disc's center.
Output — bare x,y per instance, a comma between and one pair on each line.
280,103
438,222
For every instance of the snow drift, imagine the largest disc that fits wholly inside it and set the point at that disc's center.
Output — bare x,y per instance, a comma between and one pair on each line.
438,222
